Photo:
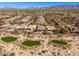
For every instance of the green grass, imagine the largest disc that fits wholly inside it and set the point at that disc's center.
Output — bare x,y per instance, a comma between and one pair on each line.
61,42
8,39
30,43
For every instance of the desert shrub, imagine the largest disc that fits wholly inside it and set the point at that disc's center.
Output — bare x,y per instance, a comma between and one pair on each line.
45,32
58,31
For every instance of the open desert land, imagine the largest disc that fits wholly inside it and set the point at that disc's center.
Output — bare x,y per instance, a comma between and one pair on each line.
51,31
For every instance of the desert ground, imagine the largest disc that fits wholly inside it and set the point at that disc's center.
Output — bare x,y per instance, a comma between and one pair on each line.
52,31
43,50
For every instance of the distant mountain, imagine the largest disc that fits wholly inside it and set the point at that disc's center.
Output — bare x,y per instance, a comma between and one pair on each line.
58,7
66,7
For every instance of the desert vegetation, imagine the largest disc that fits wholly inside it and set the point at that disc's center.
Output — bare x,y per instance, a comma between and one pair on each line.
41,28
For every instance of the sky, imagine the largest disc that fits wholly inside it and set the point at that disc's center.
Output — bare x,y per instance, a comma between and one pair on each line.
34,4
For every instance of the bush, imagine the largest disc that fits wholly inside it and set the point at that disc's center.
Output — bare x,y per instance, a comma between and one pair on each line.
45,32
9,39
30,43
58,31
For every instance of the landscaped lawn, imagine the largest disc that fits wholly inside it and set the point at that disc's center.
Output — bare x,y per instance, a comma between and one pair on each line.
58,42
31,43
9,39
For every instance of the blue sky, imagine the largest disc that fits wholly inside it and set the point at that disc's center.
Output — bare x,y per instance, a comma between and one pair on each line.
34,4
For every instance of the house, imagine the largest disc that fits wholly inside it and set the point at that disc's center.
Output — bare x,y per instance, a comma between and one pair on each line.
19,27
40,28
50,28
61,24
73,29
10,30
41,20
31,28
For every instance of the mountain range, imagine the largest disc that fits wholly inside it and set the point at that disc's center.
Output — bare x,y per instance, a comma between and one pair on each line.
59,7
